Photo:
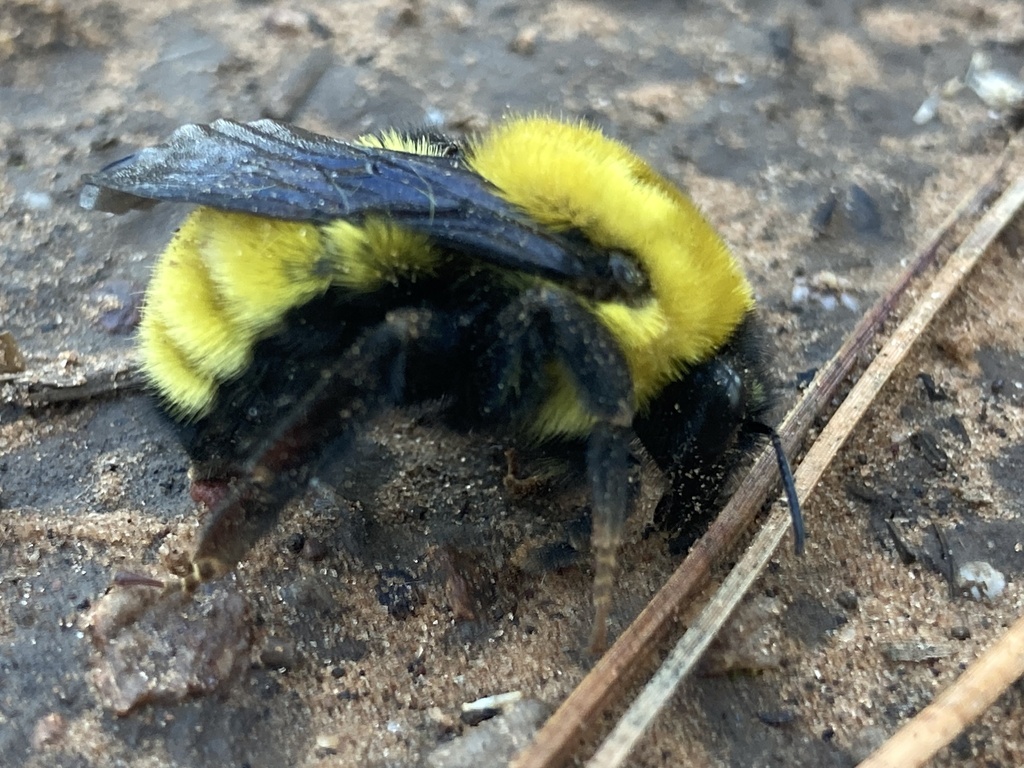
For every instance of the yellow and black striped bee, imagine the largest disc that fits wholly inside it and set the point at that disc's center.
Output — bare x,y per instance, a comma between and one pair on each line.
539,281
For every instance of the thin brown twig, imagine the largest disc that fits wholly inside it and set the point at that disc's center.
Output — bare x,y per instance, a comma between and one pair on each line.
34,388
699,635
562,733
956,707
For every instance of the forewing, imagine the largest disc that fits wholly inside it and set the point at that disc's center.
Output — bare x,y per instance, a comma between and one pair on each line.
270,169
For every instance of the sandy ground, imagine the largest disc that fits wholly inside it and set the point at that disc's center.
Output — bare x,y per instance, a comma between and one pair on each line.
348,637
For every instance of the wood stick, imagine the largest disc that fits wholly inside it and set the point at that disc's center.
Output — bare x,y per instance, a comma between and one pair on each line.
956,707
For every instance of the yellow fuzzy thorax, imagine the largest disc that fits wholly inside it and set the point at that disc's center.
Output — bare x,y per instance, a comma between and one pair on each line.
570,176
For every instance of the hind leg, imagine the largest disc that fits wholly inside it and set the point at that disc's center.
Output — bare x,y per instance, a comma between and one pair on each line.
546,326
373,374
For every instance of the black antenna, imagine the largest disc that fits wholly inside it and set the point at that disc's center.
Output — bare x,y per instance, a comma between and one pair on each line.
788,485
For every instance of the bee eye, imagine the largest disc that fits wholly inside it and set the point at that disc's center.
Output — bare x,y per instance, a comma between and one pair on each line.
735,391
626,273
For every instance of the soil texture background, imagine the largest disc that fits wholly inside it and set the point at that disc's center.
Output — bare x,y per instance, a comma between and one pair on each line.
403,584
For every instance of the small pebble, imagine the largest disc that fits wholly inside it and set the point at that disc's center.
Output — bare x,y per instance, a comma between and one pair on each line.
847,599
980,581
915,651
477,716
999,90
525,42
37,201
778,718
313,549
279,653
11,358
286,21
157,647
929,107
49,730
328,742
863,211
780,39
960,632
397,591
493,742
822,216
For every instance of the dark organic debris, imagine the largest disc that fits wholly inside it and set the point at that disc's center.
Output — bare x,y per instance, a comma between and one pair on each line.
398,592
468,584
777,718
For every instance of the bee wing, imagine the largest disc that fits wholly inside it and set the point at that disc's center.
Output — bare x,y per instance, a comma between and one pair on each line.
270,169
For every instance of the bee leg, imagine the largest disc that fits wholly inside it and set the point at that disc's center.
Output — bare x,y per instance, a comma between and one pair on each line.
602,381
547,325
367,378
608,468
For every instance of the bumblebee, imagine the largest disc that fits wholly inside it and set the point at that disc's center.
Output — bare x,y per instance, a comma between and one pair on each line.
539,281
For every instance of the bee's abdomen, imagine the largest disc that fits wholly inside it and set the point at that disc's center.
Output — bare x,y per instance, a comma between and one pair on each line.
228,280
224,281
